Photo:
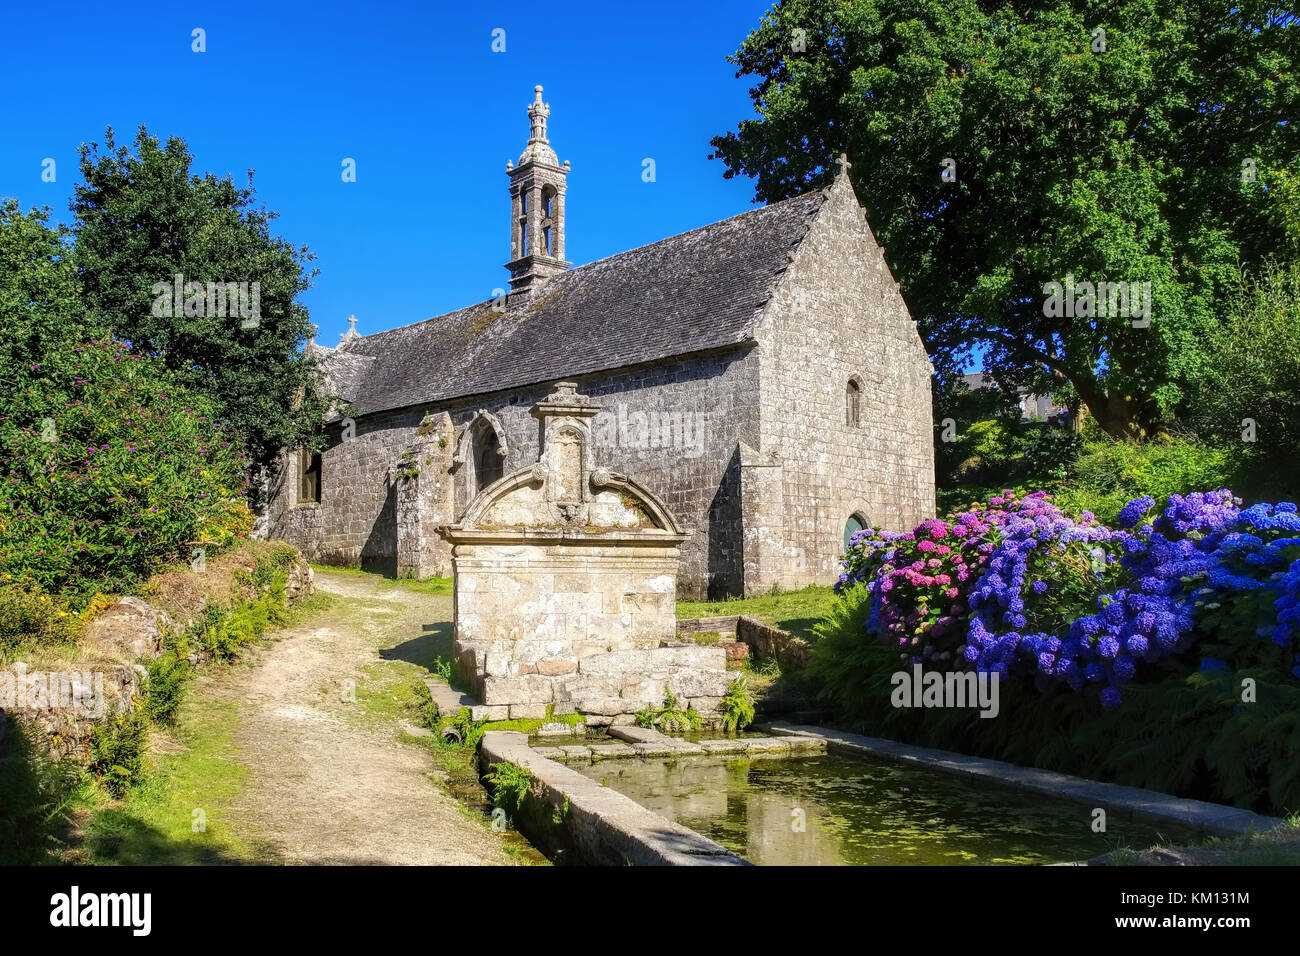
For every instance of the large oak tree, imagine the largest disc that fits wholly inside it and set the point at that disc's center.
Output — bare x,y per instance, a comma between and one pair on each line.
1136,141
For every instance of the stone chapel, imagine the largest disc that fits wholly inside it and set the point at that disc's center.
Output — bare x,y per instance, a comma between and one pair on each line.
761,376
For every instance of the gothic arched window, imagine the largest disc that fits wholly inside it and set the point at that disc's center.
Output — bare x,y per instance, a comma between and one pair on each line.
488,466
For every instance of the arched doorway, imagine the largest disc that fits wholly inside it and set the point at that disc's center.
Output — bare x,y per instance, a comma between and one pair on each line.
857,522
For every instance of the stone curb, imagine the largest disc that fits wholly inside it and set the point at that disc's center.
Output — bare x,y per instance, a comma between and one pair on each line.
645,743
605,827
1147,806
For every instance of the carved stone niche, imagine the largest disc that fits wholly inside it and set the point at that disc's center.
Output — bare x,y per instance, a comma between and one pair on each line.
568,456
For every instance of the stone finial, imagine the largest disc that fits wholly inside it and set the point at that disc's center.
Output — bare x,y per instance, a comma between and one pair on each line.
845,165
537,114
539,147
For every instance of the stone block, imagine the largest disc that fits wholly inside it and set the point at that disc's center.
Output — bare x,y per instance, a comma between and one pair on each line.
654,750
737,651
555,666
692,683
602,706
518,690
611,751
528,711
694,656
128,630
616,662
579,687
643,690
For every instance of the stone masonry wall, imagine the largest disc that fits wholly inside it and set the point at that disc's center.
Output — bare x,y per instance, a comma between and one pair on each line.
696,475
839,315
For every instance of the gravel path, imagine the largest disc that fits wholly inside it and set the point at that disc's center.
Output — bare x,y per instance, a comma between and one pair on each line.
326,783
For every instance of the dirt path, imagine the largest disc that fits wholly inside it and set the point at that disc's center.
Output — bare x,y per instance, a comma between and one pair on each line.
330,781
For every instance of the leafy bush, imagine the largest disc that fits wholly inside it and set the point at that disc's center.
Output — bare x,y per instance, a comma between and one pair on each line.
1177,606
1023,589
32,618
510,785
1110,473
1249,395
223,632
169,675
470,730
737,706
670,717
123,474
117,751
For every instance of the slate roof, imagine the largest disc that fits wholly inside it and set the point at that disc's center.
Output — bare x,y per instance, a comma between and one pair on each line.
697,291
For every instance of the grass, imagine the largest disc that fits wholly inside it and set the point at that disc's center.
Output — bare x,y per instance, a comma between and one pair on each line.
1277,847
194,769
530,726
385,583
793,611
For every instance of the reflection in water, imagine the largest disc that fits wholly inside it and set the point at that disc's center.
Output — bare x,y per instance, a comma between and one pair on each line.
832,810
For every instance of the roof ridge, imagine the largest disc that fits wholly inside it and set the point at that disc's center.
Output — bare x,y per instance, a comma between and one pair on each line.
687,232
822,192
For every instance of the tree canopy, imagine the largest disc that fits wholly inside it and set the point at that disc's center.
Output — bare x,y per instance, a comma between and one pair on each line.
142,219
1133,141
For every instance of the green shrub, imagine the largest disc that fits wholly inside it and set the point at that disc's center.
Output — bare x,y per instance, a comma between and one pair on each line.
117,751
471,731
169,675
223,632
1110,473
1188,733
510,785
28,618
737,706
1252,372
122,474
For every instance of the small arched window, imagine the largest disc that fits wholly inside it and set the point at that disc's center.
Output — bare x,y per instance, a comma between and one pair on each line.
852,402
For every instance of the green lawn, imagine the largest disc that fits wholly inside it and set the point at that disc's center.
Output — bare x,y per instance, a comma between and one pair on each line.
793,611
157,823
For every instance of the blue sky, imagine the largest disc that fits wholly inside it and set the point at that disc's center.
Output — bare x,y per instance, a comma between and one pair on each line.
413,93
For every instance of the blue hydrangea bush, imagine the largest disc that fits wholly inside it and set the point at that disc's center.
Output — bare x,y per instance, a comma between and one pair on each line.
1019,587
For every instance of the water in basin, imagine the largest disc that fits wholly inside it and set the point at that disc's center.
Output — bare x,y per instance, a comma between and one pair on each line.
841,810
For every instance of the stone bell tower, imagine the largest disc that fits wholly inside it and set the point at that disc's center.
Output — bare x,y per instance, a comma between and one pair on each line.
537,187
